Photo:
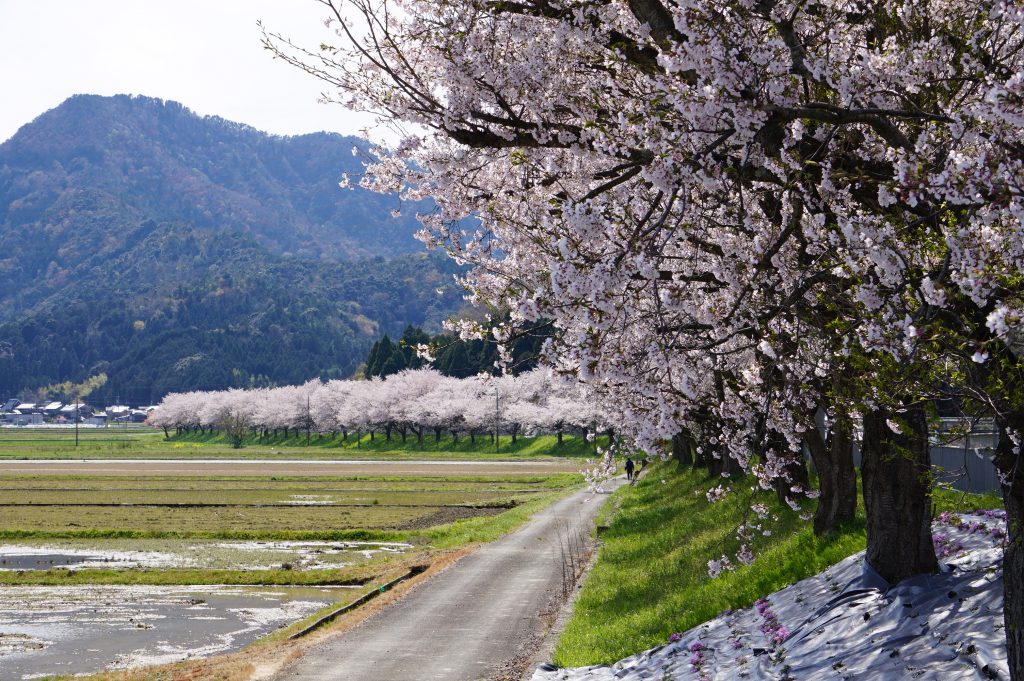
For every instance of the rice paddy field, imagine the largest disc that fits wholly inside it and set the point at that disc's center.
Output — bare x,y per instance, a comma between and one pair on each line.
172,522
136,484
62,506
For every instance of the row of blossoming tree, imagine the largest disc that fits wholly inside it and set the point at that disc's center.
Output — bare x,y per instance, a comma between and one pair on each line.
414,402
738,215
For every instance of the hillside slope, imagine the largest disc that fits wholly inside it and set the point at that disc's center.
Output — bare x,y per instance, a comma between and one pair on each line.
174,252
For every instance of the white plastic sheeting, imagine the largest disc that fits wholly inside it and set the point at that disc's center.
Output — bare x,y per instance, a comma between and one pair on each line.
848,623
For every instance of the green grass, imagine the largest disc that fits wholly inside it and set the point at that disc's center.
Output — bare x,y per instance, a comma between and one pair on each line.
487,528
540,445
650,579
139,442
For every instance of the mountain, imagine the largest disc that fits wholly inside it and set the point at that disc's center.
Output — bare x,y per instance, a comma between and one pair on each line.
171,251
77,183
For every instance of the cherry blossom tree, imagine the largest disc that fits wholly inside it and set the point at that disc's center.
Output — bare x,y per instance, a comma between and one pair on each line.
716,203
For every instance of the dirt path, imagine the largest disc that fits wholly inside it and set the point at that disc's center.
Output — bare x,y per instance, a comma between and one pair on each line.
476,620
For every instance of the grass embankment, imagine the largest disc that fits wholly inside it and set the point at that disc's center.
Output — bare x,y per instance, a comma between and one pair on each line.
651,575
140,442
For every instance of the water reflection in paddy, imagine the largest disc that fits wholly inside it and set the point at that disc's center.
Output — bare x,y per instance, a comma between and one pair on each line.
211,554
71,630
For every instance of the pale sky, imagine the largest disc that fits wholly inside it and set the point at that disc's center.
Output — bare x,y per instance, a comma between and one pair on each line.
205,54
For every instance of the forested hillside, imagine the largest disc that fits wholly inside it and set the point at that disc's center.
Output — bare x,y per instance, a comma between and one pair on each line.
453,356
175,252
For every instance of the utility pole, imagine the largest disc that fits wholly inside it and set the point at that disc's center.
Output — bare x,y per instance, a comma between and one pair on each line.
77,412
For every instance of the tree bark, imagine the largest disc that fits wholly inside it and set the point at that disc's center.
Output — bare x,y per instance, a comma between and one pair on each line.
837,479
681,450
897,494
1008,464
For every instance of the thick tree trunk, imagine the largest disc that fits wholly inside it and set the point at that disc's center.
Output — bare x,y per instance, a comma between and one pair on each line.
559,437
897,494
167,436
720,464
1009,467
681,448
837,479
437,434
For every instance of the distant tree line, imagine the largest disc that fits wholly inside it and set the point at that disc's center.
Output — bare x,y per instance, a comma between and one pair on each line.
452,355
411,403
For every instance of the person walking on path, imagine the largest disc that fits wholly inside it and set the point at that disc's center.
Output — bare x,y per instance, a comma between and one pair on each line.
629,469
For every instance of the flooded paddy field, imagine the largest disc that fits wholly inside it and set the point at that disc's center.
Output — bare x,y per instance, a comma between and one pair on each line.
72,630
105,563
129,554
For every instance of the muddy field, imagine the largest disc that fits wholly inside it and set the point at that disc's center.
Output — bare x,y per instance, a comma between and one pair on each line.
98,554
71,630
151,554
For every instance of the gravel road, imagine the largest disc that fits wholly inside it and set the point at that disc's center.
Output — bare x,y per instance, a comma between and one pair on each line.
475,620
